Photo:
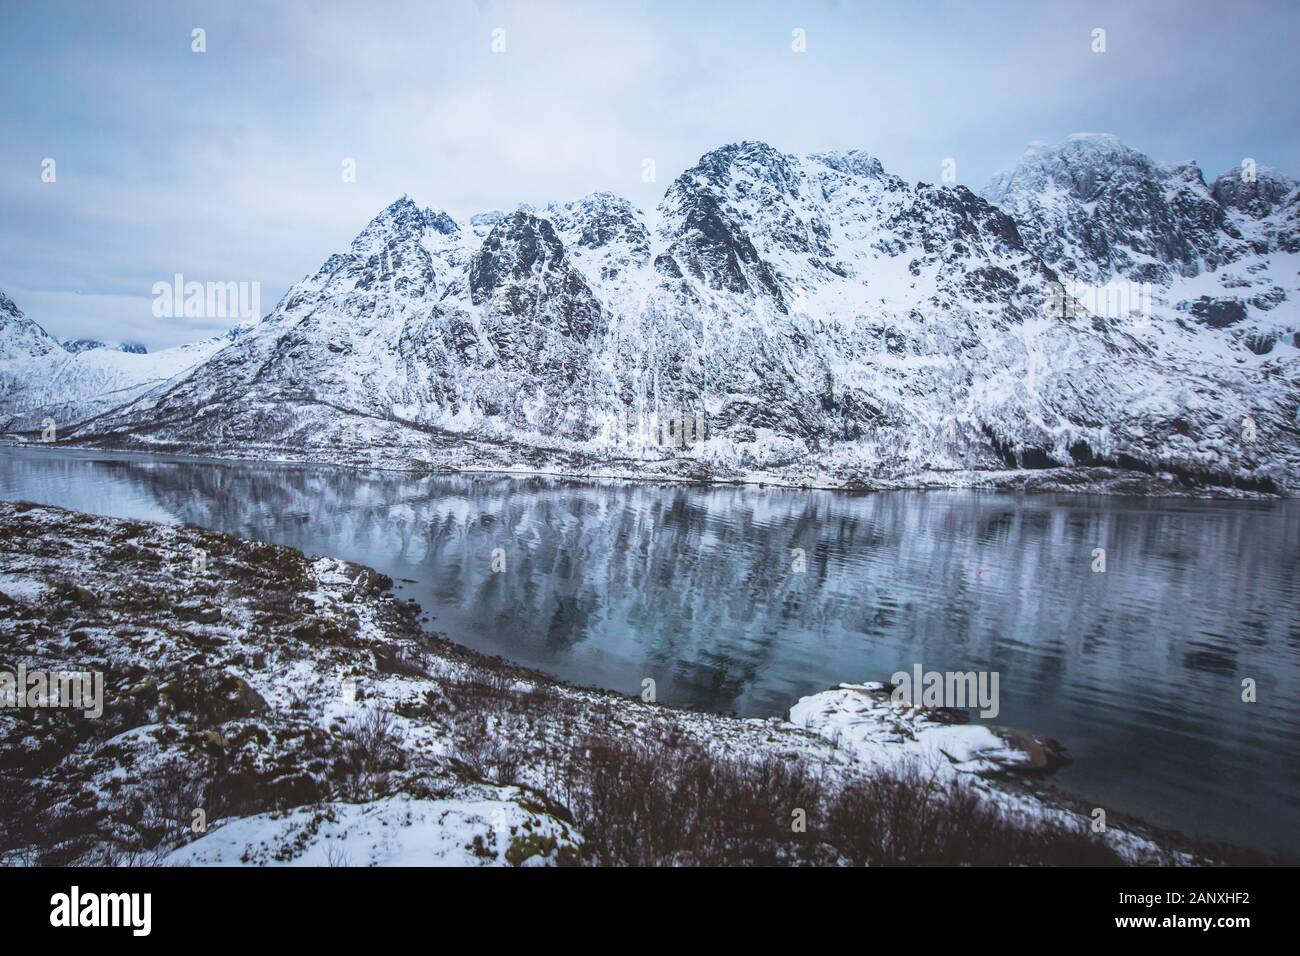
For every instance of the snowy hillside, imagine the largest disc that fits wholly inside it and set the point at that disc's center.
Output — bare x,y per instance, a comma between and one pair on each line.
40,379
1224,255
798,319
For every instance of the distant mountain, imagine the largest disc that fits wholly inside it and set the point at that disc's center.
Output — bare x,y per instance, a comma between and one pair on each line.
41,379
84,345
819,319
20,337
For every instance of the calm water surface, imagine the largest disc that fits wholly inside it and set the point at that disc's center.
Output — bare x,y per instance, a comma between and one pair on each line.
1137,671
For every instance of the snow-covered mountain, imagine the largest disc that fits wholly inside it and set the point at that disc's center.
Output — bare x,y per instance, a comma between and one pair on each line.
85,345
70,384
820,319
1224,255
20,337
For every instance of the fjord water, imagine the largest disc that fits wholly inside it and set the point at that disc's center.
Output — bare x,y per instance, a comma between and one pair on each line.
1138,670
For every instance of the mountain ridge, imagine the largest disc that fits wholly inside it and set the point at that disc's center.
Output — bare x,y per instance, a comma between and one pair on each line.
821,320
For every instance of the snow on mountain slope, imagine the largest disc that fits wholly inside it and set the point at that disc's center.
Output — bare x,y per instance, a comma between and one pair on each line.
818,318
39,379
1226,255
20,337
84,345
1095,208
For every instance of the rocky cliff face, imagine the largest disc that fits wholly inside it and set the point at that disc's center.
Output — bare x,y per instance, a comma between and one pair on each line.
789,319
1221,255
85,345
1097,209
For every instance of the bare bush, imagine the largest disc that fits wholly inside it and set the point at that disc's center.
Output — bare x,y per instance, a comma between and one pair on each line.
399,660
337,854
371,748
913,816
659,800
487,748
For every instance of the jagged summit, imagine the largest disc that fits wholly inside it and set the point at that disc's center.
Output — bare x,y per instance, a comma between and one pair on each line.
403,220
598,219
749,154
1257,191
1098,210
86,344
1080,166
854,162
42,380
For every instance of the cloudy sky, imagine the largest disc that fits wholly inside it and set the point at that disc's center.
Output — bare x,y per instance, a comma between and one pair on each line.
227,165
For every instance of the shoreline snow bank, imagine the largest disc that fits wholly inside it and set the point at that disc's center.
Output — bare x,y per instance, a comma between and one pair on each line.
893,735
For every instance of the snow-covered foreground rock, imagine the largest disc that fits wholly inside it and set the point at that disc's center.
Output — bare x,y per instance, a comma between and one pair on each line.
863,718
789,319
261,707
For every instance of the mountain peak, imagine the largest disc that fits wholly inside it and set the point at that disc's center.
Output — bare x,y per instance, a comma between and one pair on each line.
1256,191
1101,139
400,208
751,156
519,244
8,307
1087,148
854,162
1096,209
19,335
86,344
754,148
403,220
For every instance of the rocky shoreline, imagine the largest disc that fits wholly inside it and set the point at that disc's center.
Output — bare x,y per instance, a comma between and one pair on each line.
264,707
528,462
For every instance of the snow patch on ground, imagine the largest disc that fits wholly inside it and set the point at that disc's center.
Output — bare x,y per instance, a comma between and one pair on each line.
395,831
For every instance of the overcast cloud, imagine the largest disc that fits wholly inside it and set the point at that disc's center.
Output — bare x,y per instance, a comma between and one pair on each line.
226,165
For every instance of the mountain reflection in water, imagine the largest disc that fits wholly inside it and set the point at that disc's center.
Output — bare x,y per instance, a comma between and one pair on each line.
1136,670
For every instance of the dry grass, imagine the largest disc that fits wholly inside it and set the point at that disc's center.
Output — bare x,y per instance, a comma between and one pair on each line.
657,798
